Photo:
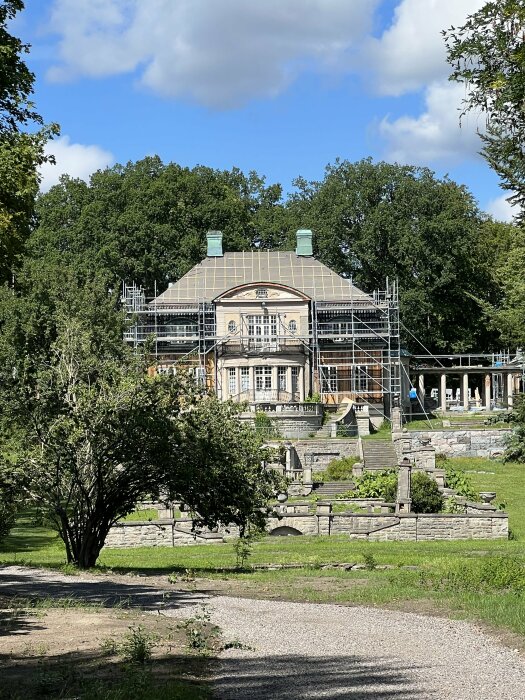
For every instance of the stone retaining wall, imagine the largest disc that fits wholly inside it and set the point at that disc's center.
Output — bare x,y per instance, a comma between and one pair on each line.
370,526
291,426
462,443
317,454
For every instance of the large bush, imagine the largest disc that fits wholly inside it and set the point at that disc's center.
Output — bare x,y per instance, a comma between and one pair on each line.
381,484
515,442
425,494
340,469
456,479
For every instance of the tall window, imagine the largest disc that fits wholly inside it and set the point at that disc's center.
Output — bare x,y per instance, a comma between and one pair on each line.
232,381
245,379
263,379
328,379
295,381
262,330
360,378
281,377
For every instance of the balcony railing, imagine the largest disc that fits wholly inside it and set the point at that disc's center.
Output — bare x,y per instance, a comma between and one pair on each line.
258,346
291,408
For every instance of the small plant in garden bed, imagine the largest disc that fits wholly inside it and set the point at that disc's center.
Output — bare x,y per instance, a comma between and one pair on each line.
380,484
135,647
201,635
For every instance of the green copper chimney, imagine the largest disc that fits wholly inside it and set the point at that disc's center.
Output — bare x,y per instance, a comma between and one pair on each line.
304,242
214,244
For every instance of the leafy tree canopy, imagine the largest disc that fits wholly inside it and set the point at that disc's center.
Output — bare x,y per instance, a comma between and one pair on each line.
147,221
96,434
379,220
20,153
487,53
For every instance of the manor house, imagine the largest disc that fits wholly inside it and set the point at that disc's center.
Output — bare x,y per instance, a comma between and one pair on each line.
278,330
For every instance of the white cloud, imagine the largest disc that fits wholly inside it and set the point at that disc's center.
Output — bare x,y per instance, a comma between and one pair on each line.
434,135
501,209
72,159
411,52
220,54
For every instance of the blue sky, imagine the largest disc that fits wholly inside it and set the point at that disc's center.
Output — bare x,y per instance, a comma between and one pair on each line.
282,87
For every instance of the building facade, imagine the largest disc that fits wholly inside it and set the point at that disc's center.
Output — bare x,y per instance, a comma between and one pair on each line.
274,329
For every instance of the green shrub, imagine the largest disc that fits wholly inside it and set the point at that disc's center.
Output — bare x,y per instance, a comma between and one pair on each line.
459,481
265,425
340,469
425,494
382,484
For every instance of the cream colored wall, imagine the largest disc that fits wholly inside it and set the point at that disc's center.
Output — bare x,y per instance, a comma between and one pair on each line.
282,303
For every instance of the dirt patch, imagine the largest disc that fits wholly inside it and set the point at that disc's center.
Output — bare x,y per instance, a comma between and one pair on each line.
52,652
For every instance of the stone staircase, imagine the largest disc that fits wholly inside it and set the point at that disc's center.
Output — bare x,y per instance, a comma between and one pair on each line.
325,431
332,488
378,454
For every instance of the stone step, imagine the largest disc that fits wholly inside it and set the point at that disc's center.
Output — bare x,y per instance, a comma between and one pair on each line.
378,454
332,488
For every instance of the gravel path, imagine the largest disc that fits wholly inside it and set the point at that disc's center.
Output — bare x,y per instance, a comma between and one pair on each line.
307,651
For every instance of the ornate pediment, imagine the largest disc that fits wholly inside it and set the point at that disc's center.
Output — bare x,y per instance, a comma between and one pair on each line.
262,292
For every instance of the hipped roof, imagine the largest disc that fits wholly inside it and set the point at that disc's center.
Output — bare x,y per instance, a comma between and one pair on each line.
216,275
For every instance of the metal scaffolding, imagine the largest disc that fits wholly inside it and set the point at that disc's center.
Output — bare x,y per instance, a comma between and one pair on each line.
352,346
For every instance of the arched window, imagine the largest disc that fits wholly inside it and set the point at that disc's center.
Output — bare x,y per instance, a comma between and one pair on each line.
292,326
232,327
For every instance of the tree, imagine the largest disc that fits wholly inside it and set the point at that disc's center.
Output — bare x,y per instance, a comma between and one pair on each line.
515,443
487,54
99,435
20,153
375,221
147,221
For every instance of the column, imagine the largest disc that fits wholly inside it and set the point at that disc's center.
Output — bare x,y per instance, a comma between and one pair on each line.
421,390
443,392
464,391
275,385
510,390
289,381
252,382
404,479
224,384
300,381
487,391
307,385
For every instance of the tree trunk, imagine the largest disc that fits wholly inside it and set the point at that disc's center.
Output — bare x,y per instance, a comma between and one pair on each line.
84,549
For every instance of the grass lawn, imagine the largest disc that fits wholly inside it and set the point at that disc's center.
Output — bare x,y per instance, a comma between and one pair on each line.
457,422
476,579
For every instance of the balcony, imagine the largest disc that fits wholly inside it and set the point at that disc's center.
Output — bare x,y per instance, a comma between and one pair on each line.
254,347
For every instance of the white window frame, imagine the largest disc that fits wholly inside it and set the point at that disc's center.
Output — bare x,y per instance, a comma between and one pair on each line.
245,379
329,379
232,381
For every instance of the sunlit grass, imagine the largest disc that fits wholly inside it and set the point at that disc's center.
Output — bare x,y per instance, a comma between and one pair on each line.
416,589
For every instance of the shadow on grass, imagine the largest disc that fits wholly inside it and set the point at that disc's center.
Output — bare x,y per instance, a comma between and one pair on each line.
16,622
33,585
286,677
183,571
91,676
30,541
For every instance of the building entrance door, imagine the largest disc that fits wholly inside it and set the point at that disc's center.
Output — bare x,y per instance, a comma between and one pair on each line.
263,383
